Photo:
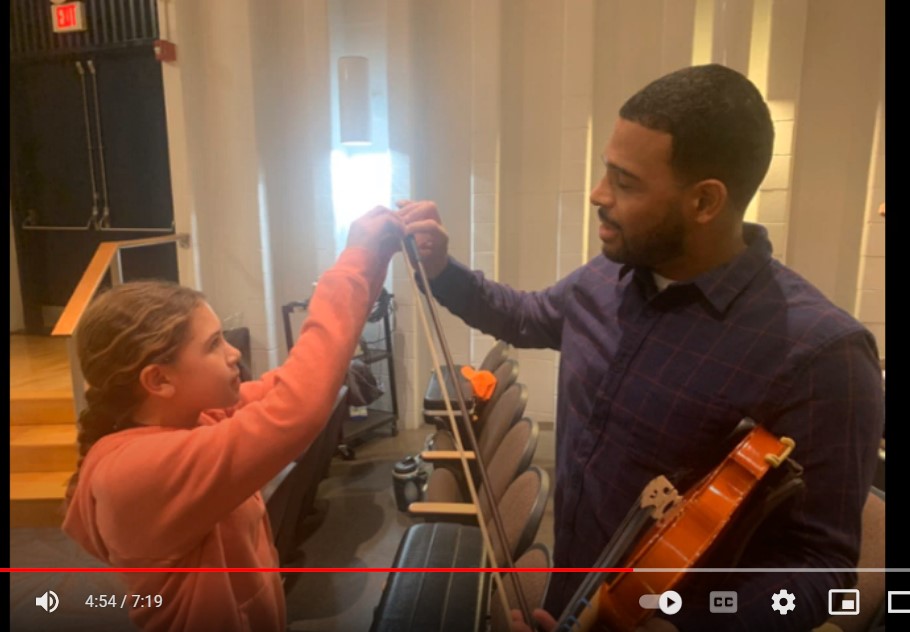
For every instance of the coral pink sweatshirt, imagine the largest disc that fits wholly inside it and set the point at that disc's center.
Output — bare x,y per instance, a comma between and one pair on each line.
176,497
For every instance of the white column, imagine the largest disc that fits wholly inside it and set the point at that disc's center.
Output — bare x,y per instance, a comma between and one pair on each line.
834,143
215,57
870,292
486,108
778,46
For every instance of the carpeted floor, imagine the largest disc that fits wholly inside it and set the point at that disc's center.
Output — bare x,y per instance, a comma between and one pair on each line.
357,525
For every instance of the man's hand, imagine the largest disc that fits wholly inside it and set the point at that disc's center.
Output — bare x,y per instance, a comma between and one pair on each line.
422,220
545,621
379,230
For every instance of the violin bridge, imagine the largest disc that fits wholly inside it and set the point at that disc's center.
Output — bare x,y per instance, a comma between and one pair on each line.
659,496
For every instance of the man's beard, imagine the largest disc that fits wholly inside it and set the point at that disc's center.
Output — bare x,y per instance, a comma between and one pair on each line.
662,243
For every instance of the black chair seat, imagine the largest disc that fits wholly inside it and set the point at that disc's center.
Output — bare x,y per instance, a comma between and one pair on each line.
446,602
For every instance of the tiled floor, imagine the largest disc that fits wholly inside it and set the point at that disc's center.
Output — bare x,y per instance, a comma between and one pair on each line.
358,526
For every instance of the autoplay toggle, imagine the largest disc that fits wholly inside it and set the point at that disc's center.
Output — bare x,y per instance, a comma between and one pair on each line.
668,602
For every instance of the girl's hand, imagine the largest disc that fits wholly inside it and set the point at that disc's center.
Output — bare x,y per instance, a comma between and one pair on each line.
379,230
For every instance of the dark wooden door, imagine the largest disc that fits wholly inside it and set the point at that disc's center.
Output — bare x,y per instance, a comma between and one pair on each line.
133,134
52,159
88,148
88,163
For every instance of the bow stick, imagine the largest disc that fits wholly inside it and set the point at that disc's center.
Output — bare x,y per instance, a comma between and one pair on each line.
409,245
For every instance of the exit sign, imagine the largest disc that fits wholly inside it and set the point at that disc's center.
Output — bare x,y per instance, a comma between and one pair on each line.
68,17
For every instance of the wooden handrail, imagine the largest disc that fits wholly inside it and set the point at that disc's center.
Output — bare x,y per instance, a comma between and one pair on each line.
94,274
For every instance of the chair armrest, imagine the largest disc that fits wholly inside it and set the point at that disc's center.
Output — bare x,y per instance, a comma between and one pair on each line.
441,511
450,460
443,456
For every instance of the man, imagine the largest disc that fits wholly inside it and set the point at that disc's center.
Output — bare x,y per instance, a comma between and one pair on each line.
683,328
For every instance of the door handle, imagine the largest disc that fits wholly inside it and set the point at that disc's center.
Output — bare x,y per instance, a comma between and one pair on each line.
93,219
105,220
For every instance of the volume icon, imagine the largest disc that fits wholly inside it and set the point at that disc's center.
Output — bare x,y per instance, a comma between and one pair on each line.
49,601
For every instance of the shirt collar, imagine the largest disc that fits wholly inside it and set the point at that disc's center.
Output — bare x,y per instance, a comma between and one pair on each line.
723,284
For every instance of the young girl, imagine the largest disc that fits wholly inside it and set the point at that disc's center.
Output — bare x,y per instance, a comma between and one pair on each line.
175,448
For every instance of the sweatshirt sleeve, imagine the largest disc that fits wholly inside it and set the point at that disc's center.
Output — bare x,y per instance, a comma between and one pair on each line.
524,319
158,495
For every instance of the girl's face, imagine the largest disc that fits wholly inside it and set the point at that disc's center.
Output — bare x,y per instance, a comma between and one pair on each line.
206,373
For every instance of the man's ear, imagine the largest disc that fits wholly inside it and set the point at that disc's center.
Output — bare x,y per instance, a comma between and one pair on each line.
709,198
156,382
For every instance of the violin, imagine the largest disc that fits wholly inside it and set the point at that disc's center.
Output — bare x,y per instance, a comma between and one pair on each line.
672,532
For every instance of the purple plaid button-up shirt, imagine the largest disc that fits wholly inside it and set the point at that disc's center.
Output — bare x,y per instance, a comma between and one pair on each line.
651,383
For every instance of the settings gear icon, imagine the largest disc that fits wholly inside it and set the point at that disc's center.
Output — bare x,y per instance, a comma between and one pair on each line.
783,602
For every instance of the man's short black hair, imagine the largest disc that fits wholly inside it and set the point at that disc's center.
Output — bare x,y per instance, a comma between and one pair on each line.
720,124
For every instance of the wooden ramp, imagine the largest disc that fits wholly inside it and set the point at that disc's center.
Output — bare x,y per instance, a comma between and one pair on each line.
42,447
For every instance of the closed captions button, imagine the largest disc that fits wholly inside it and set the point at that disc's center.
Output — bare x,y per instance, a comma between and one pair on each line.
722,601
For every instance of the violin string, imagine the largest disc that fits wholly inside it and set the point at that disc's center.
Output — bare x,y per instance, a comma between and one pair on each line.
629,530
516,586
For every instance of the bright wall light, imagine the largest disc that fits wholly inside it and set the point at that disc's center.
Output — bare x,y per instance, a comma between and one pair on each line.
360,181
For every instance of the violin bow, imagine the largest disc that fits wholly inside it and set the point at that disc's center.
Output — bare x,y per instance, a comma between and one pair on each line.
409,245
